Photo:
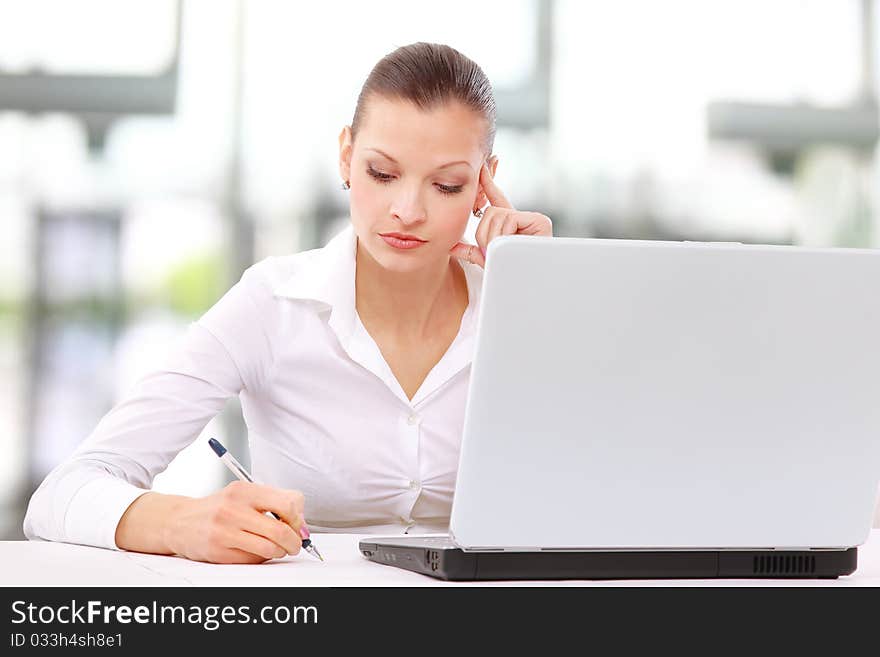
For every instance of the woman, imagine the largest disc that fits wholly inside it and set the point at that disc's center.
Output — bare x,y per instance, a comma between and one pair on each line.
351,361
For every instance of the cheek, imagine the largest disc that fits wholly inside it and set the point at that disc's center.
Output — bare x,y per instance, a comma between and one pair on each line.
457,211
366,201
362,193
450,218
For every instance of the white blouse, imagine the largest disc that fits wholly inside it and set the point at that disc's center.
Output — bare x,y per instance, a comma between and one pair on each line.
324,412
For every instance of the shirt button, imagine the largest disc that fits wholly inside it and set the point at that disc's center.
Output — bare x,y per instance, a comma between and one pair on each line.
414,484
413,420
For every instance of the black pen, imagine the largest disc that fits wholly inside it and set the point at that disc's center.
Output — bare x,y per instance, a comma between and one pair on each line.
239,471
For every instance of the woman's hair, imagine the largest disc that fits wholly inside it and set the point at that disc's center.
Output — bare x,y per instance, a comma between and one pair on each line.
430,75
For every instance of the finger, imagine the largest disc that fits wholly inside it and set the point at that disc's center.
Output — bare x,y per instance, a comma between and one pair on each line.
288,504
504,226
279,532
491,219
304,528
469,252
258,545
534,223
233,555
493,192
229,555
482,230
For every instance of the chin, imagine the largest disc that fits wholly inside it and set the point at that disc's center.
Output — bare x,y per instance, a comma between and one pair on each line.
402,263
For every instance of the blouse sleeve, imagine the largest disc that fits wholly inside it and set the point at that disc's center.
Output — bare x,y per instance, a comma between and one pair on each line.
228,349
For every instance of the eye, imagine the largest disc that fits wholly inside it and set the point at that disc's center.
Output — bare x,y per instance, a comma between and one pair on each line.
449,189
379,176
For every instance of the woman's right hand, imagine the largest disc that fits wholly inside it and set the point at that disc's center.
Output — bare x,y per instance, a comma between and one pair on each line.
230,526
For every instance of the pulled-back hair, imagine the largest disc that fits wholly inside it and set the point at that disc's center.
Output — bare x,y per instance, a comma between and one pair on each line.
430,75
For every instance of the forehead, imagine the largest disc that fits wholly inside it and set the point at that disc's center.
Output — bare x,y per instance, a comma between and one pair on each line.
407,133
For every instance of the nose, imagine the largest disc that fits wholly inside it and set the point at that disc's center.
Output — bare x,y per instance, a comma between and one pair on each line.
407,206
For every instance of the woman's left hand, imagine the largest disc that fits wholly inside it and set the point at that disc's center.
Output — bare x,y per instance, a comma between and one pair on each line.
499,218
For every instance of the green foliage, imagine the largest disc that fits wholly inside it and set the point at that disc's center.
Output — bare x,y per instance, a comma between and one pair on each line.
195,285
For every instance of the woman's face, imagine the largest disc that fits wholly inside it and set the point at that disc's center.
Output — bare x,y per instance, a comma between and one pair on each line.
415,173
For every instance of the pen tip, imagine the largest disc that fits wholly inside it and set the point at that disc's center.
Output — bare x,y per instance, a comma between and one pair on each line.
219,449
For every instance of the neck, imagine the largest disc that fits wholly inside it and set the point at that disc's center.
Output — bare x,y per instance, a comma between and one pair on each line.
411,304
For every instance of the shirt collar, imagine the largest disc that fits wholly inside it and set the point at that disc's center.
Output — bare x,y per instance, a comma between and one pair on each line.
328,280
325,273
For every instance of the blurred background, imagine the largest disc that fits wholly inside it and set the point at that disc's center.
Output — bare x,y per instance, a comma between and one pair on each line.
150,150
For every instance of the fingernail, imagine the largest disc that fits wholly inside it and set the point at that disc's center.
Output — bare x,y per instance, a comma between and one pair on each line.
483,251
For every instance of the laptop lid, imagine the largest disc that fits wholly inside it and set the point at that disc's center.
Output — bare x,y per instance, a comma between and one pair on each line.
630,394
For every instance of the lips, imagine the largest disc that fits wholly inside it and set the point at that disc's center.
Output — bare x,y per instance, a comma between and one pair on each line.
402,241
403,236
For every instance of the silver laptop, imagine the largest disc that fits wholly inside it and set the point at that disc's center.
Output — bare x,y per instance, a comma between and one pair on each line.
665,409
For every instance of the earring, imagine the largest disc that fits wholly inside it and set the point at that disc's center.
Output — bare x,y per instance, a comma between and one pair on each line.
478,212
346,184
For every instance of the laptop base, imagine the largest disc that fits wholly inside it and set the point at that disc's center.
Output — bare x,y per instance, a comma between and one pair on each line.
441,559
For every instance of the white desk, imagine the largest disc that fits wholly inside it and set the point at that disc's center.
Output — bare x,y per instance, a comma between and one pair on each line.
37,563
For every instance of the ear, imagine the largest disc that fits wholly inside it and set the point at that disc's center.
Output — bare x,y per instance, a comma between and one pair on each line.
481,195
345,148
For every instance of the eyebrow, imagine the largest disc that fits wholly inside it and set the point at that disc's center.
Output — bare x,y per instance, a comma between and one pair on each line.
443,166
